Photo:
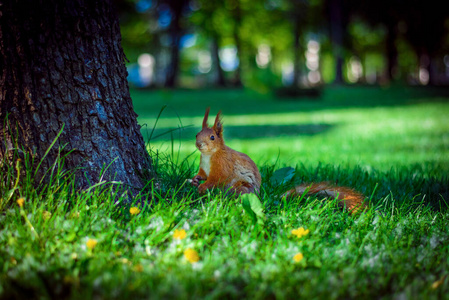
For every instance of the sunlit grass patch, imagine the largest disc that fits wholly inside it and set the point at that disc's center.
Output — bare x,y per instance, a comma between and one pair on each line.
375,134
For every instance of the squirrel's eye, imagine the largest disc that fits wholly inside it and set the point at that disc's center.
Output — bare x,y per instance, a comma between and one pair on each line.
212,137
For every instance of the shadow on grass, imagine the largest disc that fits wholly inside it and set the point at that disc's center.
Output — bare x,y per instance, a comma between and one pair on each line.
241,132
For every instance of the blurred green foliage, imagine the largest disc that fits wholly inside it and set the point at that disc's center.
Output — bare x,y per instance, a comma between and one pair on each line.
388,40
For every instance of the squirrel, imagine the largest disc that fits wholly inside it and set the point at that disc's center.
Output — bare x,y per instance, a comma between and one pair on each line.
235,172
221,166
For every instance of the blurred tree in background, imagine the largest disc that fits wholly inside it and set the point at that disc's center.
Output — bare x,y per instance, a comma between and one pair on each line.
271,43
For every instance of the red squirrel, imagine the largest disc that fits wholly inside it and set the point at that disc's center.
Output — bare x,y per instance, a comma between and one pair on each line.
222,167
234,172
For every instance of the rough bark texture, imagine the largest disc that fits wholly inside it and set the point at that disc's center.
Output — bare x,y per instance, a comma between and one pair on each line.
62,64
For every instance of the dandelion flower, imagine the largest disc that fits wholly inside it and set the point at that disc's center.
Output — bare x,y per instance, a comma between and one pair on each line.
46,215
179,234
124,260
437,283
134,210
298,257
300,232
20,201
191,255
91,243
138,268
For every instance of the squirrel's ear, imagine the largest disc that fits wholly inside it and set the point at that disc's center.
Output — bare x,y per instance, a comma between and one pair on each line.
218,125
206,116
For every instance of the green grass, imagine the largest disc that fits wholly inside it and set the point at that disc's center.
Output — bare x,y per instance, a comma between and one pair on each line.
368,127
392,145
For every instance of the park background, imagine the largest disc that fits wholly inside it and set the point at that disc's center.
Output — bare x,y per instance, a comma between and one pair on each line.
347,83
350,92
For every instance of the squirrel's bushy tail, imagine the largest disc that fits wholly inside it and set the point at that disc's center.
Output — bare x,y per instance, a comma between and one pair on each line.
349,198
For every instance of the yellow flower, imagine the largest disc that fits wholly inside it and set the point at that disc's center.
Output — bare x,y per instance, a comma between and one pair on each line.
439,282
124,260
75,215
138,268
46,215
300,232
20,201
191,255
298,257
134,210
179,234
91,243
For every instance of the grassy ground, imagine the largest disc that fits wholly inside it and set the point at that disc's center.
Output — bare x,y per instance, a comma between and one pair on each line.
392,145
368,127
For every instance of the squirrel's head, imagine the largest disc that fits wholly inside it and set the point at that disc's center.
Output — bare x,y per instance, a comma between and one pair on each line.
210,139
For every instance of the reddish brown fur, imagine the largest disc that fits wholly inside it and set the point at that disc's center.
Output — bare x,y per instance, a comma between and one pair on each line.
349,198
206,116
228,169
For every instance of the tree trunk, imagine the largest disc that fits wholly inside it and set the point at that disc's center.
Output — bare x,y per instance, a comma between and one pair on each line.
392,52
237,15
433,71
336,29
220,81
176,7
171,80
296,52
62,66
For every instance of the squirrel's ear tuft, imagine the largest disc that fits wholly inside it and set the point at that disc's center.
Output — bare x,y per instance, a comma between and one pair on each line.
206,116
218,125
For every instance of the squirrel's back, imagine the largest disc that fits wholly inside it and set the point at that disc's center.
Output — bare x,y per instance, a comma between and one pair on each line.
245,170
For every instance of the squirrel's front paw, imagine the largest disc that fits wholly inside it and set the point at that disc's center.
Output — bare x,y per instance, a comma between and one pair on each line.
196,180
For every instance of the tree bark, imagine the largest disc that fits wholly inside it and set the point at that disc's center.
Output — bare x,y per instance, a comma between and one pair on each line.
176,32
237,15
296,51
62,66
336,30
171,80
220,79
392,52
